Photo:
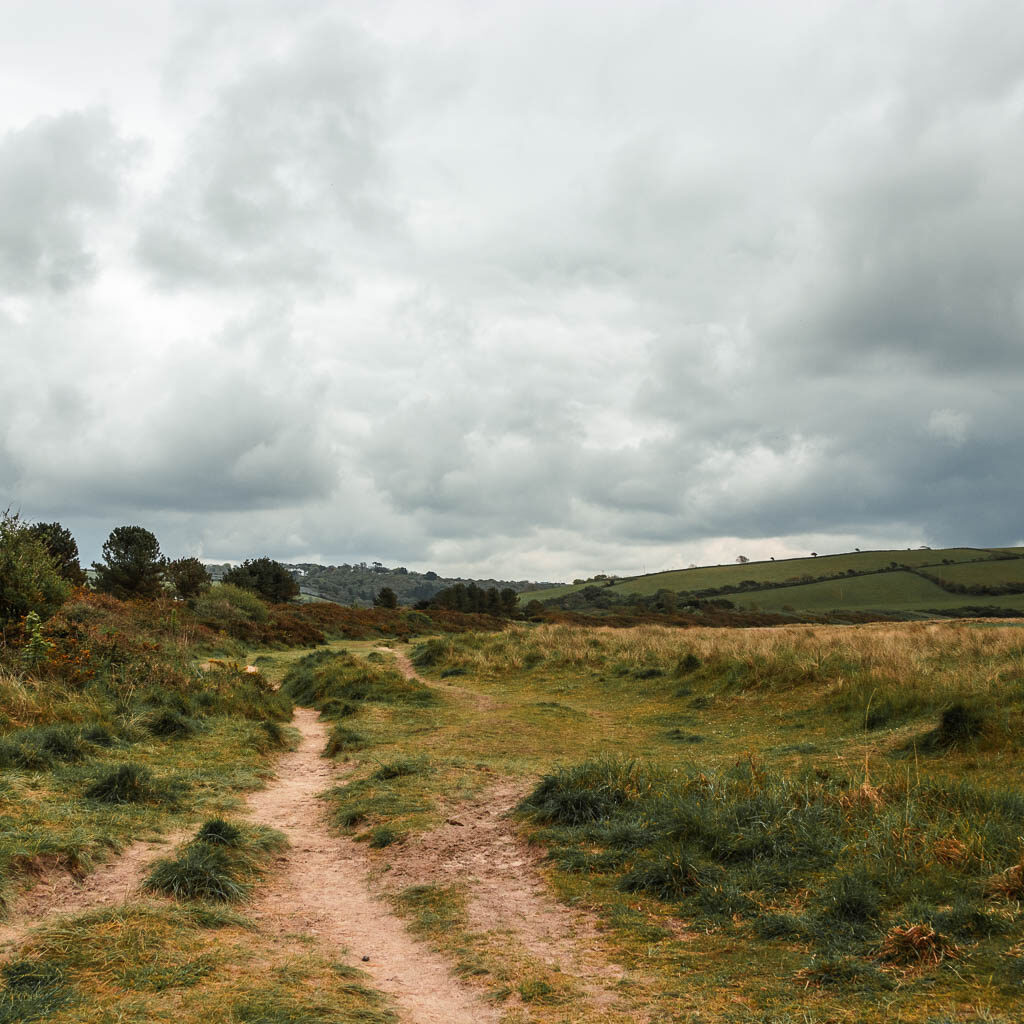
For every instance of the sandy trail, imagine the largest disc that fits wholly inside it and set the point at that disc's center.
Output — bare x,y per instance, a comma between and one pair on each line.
320,890
59,892
478,701
478,846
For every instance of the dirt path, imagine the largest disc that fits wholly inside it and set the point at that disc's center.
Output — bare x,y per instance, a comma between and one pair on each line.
58,892
478,846
479,701
320,890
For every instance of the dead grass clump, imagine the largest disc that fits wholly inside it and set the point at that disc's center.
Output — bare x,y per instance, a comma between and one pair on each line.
916,945
1008,883
864,797
951,851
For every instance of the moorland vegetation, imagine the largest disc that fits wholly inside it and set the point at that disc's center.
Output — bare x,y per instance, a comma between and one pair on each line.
810,823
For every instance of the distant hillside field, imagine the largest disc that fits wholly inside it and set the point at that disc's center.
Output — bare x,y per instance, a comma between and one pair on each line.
821,584
890,591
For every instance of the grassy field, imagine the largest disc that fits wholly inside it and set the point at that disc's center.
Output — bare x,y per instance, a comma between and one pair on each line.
986,573
813,824
902,592
895,591
798,825
116,735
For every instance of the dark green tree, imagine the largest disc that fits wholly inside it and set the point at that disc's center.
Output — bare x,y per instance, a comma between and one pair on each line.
386,598
63,549
132,564
188,576
270,579
29,580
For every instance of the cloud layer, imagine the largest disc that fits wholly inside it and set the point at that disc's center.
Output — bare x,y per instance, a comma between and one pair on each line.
529,289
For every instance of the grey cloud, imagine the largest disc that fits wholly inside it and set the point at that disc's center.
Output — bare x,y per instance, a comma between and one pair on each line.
283,180
540,283
56,175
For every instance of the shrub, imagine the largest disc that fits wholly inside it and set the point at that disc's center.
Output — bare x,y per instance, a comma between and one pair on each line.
224,605
29,580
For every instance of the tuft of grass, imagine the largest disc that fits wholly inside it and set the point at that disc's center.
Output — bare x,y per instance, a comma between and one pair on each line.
961,725
219,832
272,1009
33,990
341,739
200,872
400,768
384,835
219,865
169,724
39,748
130,784
586,792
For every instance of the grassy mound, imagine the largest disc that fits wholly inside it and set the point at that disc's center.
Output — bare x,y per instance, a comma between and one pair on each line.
334,681
220,864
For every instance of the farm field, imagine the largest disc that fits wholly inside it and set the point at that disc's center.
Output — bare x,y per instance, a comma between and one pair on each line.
896,592
543,824
891,591
985,573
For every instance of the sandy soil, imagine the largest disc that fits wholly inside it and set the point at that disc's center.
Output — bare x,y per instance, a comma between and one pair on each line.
320,890
58,892
477,846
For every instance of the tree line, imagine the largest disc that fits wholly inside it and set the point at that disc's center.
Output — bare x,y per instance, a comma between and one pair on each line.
39,567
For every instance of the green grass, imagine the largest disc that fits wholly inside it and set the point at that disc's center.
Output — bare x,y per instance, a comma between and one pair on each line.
220,864
895,591
145,963
714,576
1009,570
838,794
335,681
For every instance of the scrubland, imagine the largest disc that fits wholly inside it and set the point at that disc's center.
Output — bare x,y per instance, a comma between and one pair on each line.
799,824
806,823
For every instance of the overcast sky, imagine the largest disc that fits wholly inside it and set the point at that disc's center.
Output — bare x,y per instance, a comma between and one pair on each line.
526,289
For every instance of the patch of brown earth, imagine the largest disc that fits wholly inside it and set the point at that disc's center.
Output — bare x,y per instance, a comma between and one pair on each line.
320,890
479,847
59,892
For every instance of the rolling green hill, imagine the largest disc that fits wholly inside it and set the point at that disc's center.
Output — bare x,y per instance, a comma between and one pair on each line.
832,582
982,573
890,591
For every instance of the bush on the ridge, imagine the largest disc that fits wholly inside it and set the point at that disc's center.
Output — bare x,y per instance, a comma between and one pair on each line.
225,604
29,580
